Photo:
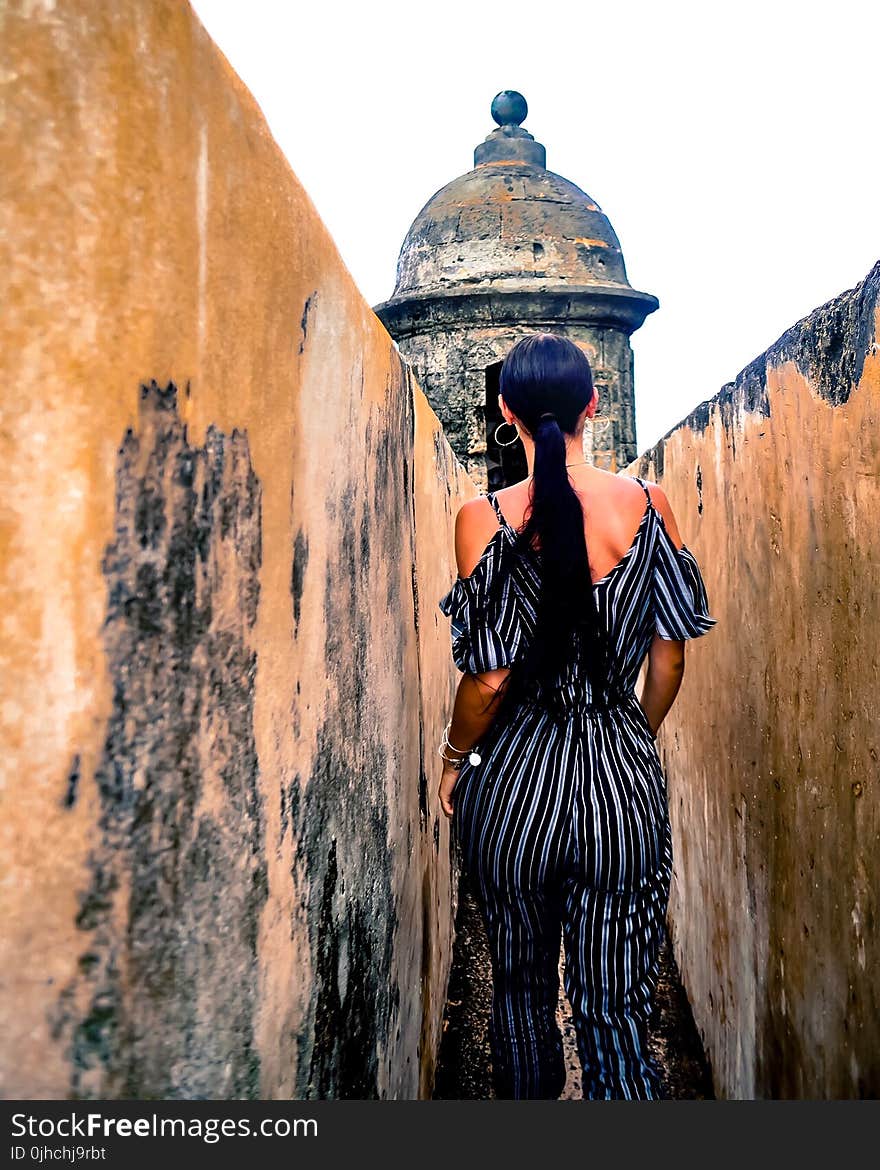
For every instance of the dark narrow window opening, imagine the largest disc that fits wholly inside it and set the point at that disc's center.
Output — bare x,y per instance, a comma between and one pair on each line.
504,465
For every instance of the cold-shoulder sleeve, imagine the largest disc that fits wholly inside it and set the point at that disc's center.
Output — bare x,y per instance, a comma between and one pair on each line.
486,626
681,607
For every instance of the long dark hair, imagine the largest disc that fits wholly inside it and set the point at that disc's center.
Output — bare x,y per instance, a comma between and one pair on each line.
547,382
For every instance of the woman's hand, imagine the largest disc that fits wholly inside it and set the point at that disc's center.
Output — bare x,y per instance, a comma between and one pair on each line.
447,783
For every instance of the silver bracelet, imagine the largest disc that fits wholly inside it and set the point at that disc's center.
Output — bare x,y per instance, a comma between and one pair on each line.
454,764
446,739
473,757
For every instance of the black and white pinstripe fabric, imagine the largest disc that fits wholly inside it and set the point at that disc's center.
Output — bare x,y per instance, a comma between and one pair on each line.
564,824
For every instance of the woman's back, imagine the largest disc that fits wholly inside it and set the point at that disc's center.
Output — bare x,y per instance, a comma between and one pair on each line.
644,584
613,508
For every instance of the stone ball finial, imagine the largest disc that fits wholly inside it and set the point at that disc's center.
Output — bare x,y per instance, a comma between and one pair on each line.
509,108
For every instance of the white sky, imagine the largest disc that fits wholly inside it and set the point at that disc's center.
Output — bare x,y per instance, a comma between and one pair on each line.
734,148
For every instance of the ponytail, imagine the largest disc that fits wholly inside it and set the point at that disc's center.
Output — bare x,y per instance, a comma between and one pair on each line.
547,382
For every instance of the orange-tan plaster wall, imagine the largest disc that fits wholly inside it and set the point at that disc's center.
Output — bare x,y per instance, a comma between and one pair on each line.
226,522
772,748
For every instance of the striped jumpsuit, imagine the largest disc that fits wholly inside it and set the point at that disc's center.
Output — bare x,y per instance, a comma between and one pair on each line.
564,824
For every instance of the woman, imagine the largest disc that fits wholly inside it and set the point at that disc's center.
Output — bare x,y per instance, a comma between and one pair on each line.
566,581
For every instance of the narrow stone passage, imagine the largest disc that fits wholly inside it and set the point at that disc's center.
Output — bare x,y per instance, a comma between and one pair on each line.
464,1072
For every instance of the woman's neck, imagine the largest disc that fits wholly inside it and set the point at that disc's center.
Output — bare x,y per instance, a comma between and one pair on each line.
574,452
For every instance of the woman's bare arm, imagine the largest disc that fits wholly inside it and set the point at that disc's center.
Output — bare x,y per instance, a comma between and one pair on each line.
478,695
665,671
662,679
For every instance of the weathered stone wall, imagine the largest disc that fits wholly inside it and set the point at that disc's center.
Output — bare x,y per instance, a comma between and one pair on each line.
224,672
772,748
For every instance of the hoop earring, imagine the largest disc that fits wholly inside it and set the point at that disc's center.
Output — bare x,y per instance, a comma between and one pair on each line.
512,441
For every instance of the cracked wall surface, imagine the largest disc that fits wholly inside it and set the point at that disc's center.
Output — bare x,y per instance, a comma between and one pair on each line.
227,517
772,748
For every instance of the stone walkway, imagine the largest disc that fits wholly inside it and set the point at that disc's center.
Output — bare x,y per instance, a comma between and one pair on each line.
463,1071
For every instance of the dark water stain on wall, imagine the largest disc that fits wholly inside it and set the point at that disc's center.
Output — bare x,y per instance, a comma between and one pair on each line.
304,320
168,974
343,864
298,573
347,843
73,778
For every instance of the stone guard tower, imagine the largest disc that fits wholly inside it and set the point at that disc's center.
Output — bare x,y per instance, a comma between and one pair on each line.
508,249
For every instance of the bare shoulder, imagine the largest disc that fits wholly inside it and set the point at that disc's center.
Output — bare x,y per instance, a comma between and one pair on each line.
661,502
475,524
617,485
514,493
619,490
475,514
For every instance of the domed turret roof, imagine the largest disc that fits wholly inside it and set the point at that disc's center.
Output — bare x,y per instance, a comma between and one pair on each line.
510,226
509,221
